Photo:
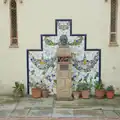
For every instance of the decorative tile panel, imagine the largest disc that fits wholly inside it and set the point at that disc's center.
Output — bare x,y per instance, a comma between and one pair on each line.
42,63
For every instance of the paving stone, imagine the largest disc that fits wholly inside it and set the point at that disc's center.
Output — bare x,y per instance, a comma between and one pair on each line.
38,118
46,102
28,118
19,113
110,114
36,113
65,104
8,106
88,113
111,118
25,104
62,113
3,118
16,118
42,108
78,119
5,113
117,112
107,108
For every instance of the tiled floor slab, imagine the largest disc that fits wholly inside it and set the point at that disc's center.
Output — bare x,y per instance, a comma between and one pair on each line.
28,118
117,112
88,113
20,113
79,119
25,104
37,113
5,113
62,112
7,106
110,114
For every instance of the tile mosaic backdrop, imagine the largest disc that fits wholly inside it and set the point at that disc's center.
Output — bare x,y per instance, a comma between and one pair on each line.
42,64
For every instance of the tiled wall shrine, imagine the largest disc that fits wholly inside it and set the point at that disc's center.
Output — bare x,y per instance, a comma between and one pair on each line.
41,64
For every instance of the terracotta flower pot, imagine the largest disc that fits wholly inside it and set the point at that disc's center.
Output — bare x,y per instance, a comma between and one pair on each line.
110,94
100,93
85,94
80,94
36,92
45,93
76,94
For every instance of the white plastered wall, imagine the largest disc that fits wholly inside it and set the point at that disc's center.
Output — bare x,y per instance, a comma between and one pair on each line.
35,17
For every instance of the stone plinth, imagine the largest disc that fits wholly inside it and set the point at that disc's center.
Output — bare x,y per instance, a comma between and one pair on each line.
64,66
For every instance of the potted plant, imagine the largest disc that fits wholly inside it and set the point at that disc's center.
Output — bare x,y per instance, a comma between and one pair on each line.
110,92
86,88
79,88
36,90
45,92
85,91
75,93
18,89
99,90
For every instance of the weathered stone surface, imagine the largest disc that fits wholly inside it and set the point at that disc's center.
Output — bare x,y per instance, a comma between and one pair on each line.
62,113
28,118
88,113
19,113
5,113
41,112
110,114
8,106
25,104
47,102
117,112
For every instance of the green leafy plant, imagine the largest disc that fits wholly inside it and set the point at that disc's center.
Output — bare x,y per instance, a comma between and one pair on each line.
110,88
85,86
98,85
18,89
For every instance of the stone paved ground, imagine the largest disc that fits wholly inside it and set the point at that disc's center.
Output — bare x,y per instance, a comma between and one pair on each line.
48,109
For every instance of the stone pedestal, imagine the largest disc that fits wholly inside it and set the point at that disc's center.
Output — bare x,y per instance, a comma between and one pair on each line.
64,67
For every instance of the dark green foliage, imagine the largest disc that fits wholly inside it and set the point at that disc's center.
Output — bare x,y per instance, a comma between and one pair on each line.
18,89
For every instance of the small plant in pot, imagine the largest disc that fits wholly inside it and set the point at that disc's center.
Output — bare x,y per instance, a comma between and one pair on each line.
75,93
99,90
110,92
45,92
85,91
19,89
36,90
79,89
86,88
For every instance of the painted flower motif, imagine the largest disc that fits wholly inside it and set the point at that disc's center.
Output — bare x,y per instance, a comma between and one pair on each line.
53,75
77,41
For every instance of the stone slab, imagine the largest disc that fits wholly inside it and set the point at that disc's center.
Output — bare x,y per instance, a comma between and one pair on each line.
19,113
62,113
117,112
78,118
8,106
37,113
28,118
110,114
88,113
5,113
25,104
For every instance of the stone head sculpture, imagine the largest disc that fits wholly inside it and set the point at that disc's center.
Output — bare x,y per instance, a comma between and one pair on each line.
63,40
